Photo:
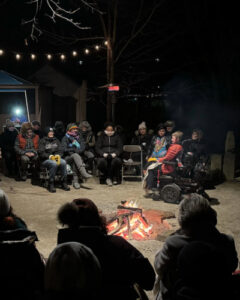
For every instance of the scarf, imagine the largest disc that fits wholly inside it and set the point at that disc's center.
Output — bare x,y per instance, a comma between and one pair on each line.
73,138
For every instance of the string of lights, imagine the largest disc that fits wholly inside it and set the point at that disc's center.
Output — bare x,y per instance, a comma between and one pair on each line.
18,55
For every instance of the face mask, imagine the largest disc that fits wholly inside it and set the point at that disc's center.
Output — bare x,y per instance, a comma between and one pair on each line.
109,133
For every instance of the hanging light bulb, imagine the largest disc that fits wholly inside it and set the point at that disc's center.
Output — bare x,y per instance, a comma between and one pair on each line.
106,43
1,52
86,51
49,56
33,56
18,56
74,53
97,47
63,57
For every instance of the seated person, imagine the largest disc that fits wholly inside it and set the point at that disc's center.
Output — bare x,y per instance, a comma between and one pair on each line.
49,148
158,144
169,125
22,268
72,272
155,169
108,148
197,222
37,128
59,130
143,139
122,264
7,141
89,139
73,147
26,147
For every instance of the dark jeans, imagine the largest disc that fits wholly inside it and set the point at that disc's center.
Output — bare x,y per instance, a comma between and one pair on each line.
52,167
109,167
153,177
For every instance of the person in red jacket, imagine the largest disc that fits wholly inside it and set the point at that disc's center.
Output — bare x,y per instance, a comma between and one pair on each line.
174,150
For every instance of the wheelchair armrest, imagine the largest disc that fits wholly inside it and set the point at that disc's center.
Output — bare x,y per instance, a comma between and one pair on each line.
172,163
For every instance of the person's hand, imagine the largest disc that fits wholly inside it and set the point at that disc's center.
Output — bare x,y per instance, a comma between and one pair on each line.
113,155
144,144
105,155
29,154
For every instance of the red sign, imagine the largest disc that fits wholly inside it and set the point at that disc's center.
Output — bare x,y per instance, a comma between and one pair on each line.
113,88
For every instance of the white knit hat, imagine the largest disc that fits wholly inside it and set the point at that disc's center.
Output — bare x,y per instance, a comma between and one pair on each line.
4,204
142,125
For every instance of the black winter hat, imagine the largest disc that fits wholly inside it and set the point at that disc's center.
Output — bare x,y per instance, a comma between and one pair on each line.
35,122
160,126
109,124
48,129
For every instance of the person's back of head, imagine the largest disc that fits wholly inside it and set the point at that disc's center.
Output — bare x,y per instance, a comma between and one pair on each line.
72,272
196,215
81,212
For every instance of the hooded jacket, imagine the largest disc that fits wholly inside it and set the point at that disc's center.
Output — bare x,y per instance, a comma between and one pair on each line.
49,146
109,144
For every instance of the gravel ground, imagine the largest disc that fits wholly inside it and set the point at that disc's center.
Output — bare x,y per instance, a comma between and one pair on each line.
38,208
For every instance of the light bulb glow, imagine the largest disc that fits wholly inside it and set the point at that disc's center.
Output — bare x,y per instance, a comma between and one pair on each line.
86,51
18,56
74,53
1,52
97,47
49,56
63,57
33,56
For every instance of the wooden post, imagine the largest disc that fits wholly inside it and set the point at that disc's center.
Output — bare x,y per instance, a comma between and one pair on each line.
229,156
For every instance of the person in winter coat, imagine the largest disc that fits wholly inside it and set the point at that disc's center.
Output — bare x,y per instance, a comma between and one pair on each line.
59,130
143,139
72,272
169,125
154,170
26,147
122,264
158,144
37,128
89,139
73,147
7,141
22,267
108,148
49,148
197,222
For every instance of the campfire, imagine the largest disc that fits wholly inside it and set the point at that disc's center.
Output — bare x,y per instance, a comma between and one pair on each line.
132,222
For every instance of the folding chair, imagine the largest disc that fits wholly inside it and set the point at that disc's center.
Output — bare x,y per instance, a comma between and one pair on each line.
131,163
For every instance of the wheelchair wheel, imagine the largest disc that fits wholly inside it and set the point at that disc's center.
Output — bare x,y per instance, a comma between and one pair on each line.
171,193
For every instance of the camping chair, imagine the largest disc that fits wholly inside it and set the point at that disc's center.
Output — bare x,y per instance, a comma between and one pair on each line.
130,163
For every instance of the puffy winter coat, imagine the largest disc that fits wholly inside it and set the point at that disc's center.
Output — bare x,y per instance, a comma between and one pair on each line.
25,144
69,147
49,146
173,151
109,144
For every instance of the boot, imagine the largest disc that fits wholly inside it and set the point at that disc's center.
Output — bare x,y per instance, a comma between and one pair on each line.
64,185
51,187
75,182
84,173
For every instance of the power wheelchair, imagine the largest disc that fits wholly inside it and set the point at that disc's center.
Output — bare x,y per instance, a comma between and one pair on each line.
187,177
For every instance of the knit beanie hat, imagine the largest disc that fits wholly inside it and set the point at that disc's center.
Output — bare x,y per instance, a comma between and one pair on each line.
142,125
4,204
47,130
85,124
160,126
71,126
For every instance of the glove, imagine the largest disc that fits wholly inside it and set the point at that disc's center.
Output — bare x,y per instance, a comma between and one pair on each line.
113,155
105,155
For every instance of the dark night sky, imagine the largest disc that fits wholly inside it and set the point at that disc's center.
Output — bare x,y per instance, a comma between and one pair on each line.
197,43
